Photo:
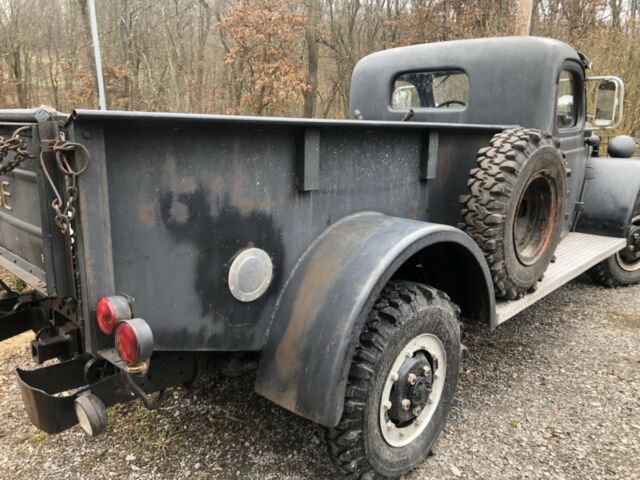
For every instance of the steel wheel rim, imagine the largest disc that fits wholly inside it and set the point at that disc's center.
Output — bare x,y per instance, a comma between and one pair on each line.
402,436
534,223
632,266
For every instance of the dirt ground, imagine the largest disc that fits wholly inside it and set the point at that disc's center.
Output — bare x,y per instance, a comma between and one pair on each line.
554,393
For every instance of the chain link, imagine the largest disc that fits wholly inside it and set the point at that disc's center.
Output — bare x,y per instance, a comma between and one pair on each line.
16,144
64,150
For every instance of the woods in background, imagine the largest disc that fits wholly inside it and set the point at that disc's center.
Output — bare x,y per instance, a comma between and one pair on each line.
270,57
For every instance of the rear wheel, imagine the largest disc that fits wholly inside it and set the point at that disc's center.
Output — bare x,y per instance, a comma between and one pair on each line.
401,383
623,268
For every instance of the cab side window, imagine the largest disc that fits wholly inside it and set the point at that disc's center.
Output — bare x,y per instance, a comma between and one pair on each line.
566,107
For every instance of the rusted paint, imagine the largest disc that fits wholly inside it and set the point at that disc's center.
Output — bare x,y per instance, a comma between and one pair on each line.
444,159
314,288
147,215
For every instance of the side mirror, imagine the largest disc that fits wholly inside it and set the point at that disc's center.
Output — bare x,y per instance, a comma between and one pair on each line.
605,97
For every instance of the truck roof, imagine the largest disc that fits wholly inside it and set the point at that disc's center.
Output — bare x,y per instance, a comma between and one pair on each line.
512,80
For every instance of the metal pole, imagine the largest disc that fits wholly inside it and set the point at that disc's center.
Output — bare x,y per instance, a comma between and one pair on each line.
102,99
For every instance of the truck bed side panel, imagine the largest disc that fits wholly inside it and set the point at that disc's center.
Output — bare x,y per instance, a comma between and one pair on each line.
185,196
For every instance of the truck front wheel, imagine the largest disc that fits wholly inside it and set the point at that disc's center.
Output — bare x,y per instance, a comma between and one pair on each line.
401,383
623,268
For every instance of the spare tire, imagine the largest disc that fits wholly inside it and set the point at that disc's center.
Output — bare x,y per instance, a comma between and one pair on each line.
516,207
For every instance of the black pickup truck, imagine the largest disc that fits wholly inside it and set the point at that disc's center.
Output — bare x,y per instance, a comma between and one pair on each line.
343,255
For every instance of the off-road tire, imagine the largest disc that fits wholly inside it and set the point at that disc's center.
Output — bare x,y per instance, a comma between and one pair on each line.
496,187
609,273
403,310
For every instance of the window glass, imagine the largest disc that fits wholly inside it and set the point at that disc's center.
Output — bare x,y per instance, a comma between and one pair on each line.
566,103
447,89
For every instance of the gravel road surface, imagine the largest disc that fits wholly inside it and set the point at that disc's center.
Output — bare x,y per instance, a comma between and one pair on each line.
553,393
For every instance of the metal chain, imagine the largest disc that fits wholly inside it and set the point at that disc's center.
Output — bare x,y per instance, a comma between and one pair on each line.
16,144
64,150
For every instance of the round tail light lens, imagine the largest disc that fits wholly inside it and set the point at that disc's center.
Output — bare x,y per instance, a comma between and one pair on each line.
127,344
106,316
110,310
134,341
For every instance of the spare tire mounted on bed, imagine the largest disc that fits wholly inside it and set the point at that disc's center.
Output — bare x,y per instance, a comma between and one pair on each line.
516,207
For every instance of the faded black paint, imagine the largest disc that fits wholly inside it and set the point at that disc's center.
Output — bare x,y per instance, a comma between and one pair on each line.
610,193
218,239
305,362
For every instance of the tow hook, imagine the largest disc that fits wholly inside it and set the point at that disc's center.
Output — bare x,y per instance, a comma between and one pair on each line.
138,392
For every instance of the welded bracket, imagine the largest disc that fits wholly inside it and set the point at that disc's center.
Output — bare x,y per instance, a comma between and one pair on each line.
429,156
308,168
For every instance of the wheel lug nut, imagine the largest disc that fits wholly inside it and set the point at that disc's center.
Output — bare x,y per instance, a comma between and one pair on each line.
390,425
387,405
406,404
426,370
394,377
417,411
412,379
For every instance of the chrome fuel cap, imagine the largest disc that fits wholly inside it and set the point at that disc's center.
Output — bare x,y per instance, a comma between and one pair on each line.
250,274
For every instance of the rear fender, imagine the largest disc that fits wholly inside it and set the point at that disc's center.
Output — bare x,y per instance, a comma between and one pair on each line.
611,190
322,308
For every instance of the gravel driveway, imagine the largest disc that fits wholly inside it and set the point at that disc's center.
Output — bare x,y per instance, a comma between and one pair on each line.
553,393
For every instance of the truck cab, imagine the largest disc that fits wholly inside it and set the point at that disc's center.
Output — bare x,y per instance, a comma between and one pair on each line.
536,82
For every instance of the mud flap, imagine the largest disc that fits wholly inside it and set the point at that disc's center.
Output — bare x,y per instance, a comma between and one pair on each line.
49,393
52,412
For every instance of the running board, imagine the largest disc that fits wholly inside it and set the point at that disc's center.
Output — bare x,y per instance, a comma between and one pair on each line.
576,254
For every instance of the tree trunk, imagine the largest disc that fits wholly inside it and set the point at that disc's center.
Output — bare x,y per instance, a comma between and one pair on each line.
523,21
311,37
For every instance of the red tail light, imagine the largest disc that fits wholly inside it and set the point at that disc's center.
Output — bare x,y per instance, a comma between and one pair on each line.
110,310
127,343
134,341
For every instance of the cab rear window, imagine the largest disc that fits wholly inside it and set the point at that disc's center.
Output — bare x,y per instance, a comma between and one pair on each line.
446,89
